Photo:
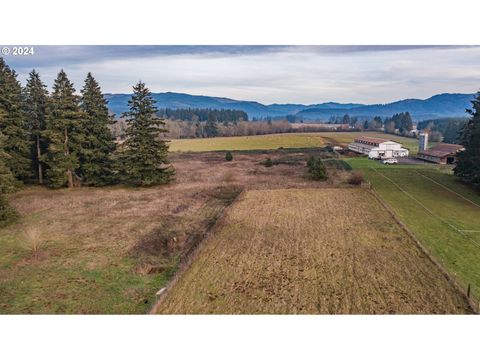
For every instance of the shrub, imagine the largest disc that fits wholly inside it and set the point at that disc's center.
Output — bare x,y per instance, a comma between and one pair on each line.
7,213
33,240
356,178
310,162
268,162
317,168
229,156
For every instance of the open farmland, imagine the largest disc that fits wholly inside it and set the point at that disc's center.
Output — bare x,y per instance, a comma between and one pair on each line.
109,250
275,141
329,251
443,213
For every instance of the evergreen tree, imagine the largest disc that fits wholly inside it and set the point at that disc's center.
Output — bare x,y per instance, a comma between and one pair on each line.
13,124
377,122
228,156
365,125
211,129
96,164
8,183
145,160
468,166
7,213
64,133
36,96
317,168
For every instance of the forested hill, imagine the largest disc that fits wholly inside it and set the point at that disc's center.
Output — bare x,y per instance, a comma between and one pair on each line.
438,106
118,104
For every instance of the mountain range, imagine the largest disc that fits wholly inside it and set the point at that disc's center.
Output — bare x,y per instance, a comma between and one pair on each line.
438,106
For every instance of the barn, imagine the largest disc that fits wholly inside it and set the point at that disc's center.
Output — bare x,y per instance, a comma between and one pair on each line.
377,148
441,154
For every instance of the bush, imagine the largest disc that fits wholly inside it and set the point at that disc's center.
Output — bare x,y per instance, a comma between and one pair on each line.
317,168
229,156
356,178
7,213
310,162
268,163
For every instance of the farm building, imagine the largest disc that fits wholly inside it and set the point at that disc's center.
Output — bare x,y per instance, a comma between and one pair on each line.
377,148
441,154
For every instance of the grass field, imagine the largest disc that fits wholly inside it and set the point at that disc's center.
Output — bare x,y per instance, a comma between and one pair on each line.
329,251
442,212
109,250
274,141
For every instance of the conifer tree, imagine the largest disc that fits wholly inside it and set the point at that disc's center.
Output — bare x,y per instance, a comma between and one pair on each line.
64,133
96,164
145,157
36,96
317,168
7,213
13,124
211,128
468,166
8,183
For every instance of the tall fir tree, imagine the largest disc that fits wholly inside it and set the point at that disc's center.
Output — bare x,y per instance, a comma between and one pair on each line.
36,97
468,165
211,128
13,124
145,159
96,156
64,133
8,183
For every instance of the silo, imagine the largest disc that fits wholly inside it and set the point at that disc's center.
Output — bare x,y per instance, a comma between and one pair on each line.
422,141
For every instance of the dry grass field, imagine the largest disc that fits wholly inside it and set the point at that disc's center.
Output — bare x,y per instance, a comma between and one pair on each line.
109,250
328,251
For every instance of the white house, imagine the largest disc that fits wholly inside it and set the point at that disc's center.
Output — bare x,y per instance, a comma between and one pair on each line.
378,148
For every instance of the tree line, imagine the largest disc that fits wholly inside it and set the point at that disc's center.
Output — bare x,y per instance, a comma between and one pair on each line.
468,164
224,116
447,128
62,139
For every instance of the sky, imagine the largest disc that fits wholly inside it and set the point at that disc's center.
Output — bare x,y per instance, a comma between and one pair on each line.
268,74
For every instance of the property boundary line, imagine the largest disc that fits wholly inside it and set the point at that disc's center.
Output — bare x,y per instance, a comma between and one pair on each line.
474,305
447,188
191,254
427,209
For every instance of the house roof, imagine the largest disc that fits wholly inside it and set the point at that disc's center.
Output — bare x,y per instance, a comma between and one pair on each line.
442,150
372,140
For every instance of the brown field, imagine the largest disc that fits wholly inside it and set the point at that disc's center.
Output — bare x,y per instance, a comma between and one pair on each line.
109,250
311,251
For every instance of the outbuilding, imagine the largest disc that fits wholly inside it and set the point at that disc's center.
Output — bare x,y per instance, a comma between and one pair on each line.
377,148
441,154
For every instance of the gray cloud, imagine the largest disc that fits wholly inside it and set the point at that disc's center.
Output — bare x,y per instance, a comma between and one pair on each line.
301,74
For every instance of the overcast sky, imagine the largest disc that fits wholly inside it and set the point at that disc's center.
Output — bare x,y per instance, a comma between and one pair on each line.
268,74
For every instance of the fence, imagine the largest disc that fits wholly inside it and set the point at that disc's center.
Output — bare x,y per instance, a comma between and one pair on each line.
465,291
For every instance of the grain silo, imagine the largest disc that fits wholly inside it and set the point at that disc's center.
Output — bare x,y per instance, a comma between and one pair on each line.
422,141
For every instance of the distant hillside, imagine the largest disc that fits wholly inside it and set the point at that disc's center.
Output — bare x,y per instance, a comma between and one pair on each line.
118,103
438,106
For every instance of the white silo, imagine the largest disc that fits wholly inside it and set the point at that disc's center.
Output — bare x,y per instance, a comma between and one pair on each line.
423,141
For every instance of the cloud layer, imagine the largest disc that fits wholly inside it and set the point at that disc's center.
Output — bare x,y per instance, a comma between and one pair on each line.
269,74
